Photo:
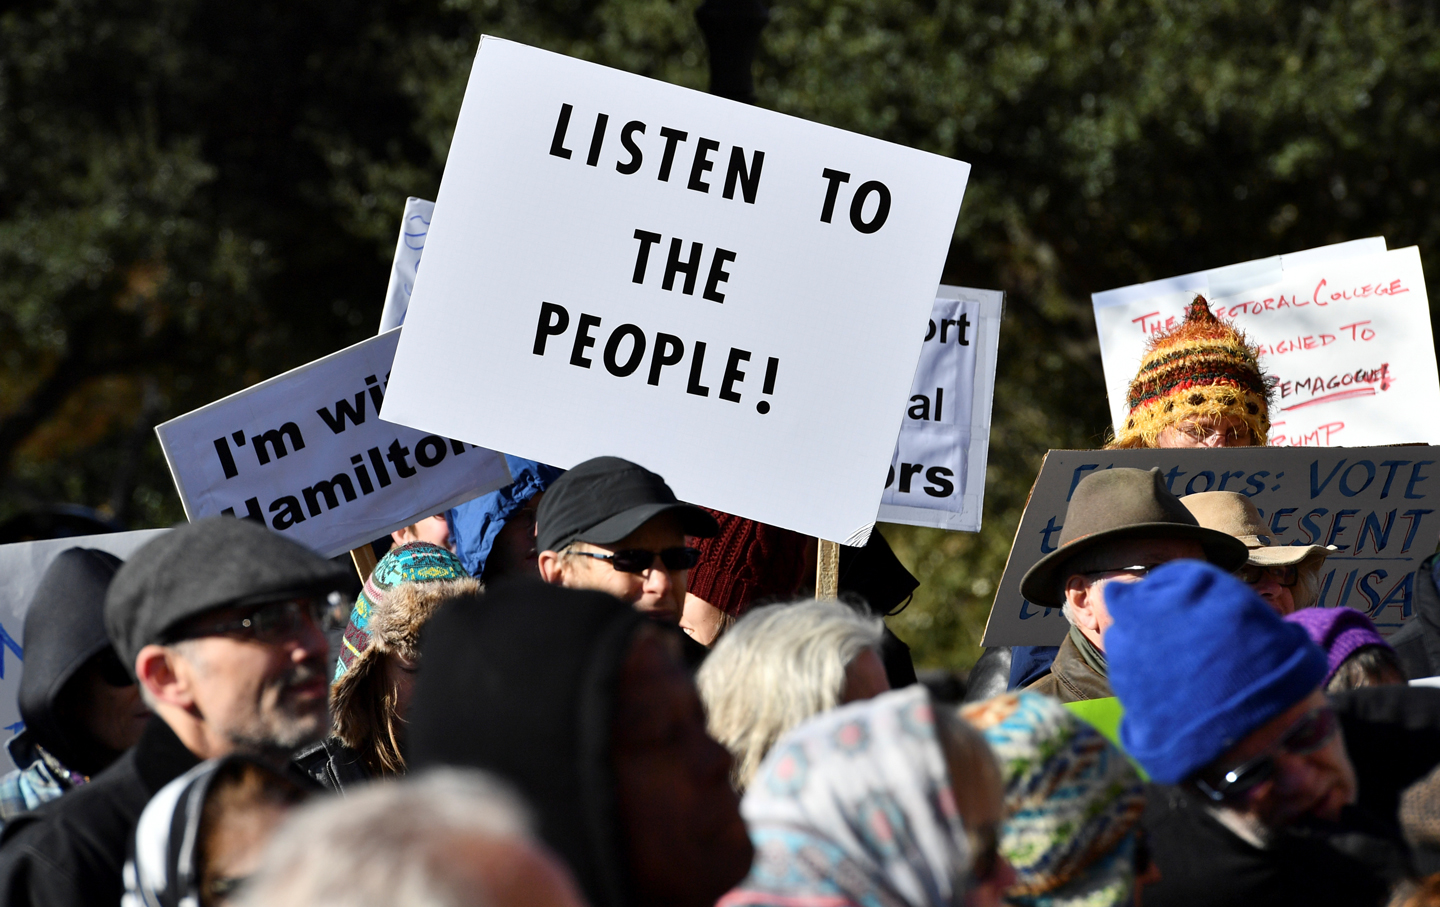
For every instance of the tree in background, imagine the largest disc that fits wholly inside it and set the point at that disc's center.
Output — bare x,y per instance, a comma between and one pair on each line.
195,197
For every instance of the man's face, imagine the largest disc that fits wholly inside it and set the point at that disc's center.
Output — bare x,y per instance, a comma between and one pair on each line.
1316,784
685,840
513,552
266,697
1085,592
659,591
1274,584
1207,431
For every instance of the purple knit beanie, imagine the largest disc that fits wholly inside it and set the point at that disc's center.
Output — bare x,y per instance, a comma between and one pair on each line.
1339,631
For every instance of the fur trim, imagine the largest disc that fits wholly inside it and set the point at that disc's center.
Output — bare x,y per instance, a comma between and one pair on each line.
394,627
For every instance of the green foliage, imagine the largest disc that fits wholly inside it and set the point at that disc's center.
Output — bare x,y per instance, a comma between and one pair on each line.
197,196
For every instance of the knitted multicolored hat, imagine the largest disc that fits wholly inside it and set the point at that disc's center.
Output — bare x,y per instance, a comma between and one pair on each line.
1072,800
748,563
1204,367
417,562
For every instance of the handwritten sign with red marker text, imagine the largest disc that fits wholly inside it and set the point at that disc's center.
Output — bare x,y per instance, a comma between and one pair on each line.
1347,345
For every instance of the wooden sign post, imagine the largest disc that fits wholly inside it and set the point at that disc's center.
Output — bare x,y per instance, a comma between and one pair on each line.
364,558
827,570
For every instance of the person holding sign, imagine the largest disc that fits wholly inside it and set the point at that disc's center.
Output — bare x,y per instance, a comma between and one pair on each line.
616,527
1199,385
1120,525
1286,576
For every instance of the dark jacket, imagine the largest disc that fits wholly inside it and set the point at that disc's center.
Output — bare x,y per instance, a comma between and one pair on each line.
332,765
1392,735
1418,642
1071,679
71,851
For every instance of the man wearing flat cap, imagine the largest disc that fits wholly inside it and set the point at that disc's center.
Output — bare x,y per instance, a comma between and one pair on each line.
219,621
615,526
1286,576
1120,524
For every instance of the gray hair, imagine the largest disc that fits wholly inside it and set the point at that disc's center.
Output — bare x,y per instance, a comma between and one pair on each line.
387,843
778,666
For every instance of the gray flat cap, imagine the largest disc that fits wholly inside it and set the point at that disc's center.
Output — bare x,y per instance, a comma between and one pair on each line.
198,567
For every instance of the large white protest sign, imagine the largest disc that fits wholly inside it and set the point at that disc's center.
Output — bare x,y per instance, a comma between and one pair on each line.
1379,506
22,564
408,249
307,454
1346,340
731,297
937,476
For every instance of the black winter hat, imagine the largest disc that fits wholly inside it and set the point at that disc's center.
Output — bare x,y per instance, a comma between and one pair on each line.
201,566
521,682
605,499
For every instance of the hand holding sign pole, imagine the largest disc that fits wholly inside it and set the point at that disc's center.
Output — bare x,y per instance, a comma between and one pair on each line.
731,297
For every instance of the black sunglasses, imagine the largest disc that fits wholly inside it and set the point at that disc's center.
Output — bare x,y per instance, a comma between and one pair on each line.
638,560
1285,576
1306,736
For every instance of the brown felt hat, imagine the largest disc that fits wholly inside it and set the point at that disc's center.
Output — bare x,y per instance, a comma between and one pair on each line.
1119,505
1232,513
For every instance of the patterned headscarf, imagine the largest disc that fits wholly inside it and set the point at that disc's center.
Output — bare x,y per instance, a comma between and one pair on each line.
855,807
1072,801
417,562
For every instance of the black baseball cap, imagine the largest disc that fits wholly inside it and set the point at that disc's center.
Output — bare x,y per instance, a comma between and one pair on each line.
605,499
205,565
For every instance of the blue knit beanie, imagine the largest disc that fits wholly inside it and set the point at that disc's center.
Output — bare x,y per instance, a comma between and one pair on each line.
1199,661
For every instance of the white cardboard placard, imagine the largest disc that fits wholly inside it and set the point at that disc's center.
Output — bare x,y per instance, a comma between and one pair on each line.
803,258
1380,506
937,475
408,248
1347,342
22,564
306,453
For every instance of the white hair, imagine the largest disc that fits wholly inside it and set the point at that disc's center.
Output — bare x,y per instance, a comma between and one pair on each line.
778,666
388,843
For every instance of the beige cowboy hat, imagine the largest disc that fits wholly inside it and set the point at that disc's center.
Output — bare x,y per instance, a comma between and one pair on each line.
1122,504
1232,513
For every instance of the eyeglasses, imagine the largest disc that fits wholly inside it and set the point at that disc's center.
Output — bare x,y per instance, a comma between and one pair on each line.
638,560
1201,435
1285,576
1307,735
1139,571
269,623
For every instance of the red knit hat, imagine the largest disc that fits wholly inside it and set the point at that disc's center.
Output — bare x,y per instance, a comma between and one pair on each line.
748,563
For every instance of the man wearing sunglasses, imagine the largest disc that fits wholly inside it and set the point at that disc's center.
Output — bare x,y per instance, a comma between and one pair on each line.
1120,524
219,621
616,527
1286,576
1267,791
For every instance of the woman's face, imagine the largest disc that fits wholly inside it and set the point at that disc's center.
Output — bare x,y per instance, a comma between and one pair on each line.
1207,431
400,672
701,621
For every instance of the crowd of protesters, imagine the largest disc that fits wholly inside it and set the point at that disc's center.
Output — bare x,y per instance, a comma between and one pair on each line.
580,690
